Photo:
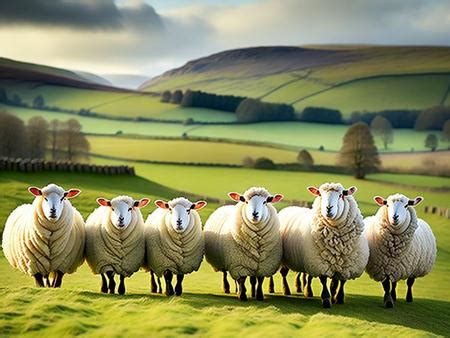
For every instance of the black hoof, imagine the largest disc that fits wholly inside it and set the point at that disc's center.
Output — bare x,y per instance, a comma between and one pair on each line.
339,301
243,297
388,304
104,289
287,292
409,300
226,291
121,291
326,303
260,298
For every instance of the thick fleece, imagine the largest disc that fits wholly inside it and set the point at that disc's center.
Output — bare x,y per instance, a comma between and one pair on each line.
398,256
166,249
322,247
236,245
111,249
34,245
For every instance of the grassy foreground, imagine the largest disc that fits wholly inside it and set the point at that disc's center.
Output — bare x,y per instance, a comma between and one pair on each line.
79,308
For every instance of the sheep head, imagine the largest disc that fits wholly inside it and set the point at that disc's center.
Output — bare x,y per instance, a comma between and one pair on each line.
397,207
121,209
332,197
179,212
52,199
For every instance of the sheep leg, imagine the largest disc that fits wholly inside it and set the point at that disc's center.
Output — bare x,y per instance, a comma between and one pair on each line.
226,285
340,295
393,292
104,288
153,287
409,282
242,289
112,283
307,291
298,283
259,290
159,285
121,289
39,281
304,279
387,295
236,286
253,284
271,285
168,275
333,289
179,286
284,271
325,293
47,281
58,279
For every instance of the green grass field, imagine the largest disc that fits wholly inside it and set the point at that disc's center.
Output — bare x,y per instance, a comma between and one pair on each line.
79,308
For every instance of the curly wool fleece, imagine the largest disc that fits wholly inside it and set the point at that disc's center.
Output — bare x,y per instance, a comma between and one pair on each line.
181,253
322,247
411,253
34,245
111,249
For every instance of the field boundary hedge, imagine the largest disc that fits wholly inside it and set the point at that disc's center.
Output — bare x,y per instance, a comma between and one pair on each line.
37,165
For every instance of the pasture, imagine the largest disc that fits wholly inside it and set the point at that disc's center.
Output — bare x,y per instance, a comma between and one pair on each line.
79,307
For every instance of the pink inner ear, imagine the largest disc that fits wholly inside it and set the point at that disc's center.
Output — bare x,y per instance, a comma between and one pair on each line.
351,190
143,202
199,205
379,200
161,204
103,202
72,193
35,191
314,191
234,196
277,198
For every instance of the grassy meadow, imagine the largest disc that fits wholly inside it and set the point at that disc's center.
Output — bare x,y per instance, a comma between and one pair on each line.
79,308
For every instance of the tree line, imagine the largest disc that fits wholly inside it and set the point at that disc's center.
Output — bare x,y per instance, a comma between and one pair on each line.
63,140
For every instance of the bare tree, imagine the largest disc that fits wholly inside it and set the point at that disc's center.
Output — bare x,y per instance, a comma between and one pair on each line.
54,137
37,137
12,135
74,143
358,150
382,128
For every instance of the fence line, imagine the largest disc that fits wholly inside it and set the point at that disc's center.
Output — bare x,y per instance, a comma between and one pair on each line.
443,212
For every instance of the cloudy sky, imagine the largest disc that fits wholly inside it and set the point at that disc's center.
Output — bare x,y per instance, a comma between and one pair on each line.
148,37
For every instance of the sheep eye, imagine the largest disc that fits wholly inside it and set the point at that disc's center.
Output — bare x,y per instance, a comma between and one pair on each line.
112,209
129,209
265,202
45,198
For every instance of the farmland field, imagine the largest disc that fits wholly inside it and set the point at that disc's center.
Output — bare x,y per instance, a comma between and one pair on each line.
79,308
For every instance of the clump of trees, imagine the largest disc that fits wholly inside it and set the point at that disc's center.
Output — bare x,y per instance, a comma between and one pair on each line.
358,151
253,110
382,128
399,118
196,98
433,118
304,157
431,142
321,115
63,139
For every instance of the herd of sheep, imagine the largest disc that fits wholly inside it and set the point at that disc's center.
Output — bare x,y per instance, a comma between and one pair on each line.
331,240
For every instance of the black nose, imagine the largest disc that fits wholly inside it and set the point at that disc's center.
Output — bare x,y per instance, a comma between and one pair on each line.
395,218
121,219
329,208
179,221
255,214
53,213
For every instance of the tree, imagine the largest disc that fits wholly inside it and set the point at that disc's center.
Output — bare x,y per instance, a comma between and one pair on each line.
37,137
188,98
74,143
382,128
433,118
248,162
446,133
358,150
38,102
321,115
177,96
12,135
431,142
305,158
264,163
166,96
54,138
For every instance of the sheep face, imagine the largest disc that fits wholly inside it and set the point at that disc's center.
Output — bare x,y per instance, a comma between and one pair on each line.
332,199
397,208
121,209
254,207
179,212
52,200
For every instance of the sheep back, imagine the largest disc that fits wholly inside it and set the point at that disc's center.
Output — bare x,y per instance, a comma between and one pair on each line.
112,249
166,249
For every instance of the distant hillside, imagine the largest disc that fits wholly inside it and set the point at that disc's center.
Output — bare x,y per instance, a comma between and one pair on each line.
349,78
129,81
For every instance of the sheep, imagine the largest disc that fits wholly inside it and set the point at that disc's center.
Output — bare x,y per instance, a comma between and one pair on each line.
45,239
115,240
326,241
401,245
245,240
174,242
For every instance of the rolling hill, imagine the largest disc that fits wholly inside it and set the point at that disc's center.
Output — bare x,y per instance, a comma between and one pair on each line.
349,78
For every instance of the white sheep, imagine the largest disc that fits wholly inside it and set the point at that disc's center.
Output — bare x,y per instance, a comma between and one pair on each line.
245,240
115,240
45,239
326,241
174,241
401,245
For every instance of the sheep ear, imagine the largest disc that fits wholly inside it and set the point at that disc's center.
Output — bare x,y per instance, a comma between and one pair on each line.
415,201
236,197
35,191
141,203
350,191
103,202
199,205
275,198
72,193
161,204
314,191
380,200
